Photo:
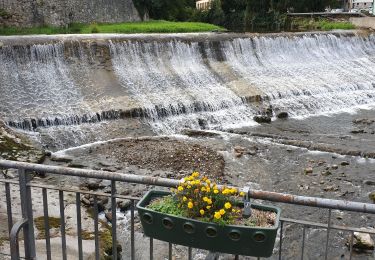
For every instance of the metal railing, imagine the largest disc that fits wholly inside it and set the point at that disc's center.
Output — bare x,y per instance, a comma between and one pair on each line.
26,220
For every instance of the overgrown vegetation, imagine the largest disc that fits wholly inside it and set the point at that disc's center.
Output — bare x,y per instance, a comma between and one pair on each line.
136,27
236,15
4,14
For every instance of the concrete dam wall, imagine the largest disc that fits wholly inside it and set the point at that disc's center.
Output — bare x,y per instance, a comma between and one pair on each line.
25,13
186,81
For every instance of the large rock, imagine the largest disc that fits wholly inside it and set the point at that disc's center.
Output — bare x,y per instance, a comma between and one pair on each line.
262,119
282,115
362,242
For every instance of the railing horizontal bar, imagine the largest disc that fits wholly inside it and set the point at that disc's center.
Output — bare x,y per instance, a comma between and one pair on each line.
256,194
50,187
325,226
105,175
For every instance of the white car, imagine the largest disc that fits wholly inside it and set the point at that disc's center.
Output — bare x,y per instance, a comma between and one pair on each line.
354,11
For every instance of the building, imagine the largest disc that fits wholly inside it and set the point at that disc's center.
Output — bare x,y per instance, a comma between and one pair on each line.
203,4
361,4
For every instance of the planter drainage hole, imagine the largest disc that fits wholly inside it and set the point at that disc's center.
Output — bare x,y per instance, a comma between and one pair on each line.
189,228
147,217
211,232
235,235
259,237
168,223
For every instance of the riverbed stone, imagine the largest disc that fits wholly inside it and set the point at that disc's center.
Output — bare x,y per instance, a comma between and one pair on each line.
372,196
309,170
282,115
362,242
262,119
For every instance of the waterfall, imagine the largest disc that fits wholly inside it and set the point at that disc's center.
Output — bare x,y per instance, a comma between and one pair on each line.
174,78
307,75
181,83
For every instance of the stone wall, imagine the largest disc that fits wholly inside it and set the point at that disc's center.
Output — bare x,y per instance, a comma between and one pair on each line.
364,22
25,13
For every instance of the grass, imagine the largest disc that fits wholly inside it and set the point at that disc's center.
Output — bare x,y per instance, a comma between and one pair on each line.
328,25
135,27
320,24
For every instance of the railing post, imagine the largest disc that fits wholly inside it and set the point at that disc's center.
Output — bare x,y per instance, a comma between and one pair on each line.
27,214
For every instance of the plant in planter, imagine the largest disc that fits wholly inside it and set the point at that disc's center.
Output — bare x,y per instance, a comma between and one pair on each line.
200,214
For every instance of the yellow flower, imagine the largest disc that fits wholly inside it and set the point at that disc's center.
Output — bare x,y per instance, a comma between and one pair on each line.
222,212
208,189
205,198
208,181
216,191
217,215
233,210
242,193
234,191
227,205
203,189
209,201
197,182
184,198
189,187
202,212
208,207
190,205
180,188
195,174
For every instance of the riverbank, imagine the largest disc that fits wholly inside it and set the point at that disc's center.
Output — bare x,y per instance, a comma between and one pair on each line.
126,28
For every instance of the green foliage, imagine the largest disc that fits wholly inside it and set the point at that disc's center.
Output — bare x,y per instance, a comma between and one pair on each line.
319,24
137,27
167,205
4,14
171,10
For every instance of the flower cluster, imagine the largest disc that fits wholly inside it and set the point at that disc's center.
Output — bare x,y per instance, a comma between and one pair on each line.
201,198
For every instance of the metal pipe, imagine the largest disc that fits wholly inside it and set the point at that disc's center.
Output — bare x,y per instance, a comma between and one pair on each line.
255,194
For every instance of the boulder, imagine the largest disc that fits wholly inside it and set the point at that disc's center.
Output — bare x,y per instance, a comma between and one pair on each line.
262,119
362,242
309,170
282,115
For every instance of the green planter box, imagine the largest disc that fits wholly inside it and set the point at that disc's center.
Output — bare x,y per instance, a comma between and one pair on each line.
230,239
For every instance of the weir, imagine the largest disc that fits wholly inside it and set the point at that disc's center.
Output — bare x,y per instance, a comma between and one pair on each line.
182,82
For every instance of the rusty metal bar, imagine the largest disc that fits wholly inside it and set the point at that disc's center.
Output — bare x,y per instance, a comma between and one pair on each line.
256,194
169,251
351,245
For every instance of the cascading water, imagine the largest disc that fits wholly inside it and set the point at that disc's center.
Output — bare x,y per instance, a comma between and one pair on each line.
176,87
307,75
180,84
